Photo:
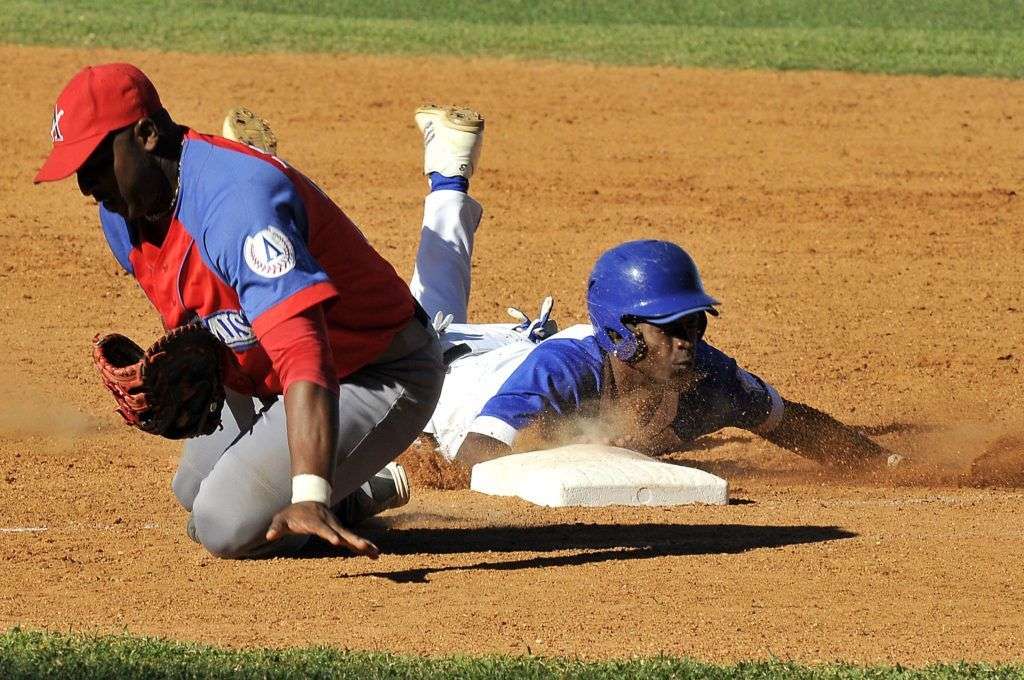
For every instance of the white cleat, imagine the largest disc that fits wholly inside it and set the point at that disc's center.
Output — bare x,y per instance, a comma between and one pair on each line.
452,137
242,125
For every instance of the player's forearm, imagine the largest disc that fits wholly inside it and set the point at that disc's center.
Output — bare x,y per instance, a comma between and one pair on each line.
479,448
312,415
645,441
816,435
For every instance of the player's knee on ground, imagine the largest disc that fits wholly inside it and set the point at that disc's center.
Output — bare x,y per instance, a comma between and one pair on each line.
197,460
185,487
234,532
200,454
187,478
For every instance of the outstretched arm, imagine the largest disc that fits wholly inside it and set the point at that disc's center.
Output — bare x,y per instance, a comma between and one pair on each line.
479,448
301,354
311,412
816,435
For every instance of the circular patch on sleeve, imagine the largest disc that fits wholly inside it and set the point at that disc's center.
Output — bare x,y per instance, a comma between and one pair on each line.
269,253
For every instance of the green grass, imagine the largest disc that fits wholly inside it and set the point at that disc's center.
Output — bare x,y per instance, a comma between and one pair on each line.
936,37
980,37
26,654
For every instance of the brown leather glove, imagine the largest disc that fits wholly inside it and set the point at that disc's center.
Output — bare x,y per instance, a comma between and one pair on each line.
174,389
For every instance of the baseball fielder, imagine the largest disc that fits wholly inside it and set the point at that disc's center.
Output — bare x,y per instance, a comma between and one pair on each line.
640,375
217,231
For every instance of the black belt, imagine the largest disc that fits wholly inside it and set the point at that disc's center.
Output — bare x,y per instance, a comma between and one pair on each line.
456,351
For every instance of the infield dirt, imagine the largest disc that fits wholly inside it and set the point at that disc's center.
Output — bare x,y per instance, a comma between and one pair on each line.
865,236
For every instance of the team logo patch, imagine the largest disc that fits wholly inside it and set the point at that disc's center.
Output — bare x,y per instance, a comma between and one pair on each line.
55,134
269,253
232,328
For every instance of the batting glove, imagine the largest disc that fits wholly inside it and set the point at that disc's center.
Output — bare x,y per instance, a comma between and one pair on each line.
536,329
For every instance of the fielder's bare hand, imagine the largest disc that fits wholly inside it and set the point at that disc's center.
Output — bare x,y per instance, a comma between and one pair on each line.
316,519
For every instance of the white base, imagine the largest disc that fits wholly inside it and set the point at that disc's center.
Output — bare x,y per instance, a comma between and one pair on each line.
593,475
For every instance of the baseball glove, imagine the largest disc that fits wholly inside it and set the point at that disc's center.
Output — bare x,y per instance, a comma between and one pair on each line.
173,389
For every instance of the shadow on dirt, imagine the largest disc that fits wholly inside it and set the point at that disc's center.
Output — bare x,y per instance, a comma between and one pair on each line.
598,543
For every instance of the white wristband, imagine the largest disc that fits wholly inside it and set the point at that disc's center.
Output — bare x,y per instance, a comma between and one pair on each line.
311,488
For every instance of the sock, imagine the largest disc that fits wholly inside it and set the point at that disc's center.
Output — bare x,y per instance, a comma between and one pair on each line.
439,182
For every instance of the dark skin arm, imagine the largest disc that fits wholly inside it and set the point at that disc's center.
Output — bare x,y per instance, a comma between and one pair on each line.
651,443
312,417
806,431
479,448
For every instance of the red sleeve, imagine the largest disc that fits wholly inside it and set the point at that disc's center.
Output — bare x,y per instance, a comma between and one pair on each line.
289,307
299,350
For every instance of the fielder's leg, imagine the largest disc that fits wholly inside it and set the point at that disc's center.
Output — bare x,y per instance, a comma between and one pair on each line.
200,454
383,408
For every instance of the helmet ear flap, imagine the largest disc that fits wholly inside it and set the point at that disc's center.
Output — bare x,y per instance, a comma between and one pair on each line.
627,346
641,348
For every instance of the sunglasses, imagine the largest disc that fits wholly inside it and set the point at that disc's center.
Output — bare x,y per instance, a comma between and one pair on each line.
691,325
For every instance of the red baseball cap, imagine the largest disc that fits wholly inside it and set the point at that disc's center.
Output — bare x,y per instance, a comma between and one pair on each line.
98,100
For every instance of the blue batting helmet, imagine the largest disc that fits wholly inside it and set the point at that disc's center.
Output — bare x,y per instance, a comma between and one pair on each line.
652,281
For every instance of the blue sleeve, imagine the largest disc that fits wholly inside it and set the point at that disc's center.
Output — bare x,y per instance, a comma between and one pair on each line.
254,236
115,228
725,396
556,377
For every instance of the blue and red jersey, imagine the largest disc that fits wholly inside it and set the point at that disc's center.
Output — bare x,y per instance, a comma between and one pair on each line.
253,242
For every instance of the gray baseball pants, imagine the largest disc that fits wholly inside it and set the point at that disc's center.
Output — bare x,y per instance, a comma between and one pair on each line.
235,480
